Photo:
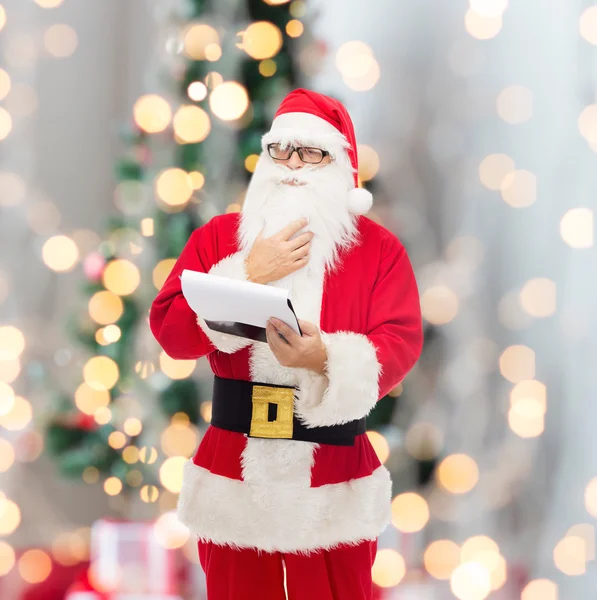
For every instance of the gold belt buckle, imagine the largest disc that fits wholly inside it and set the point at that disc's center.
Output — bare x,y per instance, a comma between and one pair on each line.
281,427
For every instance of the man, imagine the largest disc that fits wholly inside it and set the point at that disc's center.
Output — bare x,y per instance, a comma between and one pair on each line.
278,500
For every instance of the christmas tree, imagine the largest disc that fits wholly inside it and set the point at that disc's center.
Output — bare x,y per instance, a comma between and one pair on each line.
215,82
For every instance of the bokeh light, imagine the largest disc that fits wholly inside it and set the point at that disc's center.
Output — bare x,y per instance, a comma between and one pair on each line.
102,416
91,475
196,39
60,253
229,101
439,304
9,369
105,307
213,52
171,473
149,494
112,486
7,398
588,25
179,439
482,28
570,555
29,446
108,335
5,123
152,113
174,187
410,512
170,532
132,426
519,189
49,3
197,179
424,441
268,67
19,416
517,363
295,28
533,389
526,418
587,123
14,189
121,277
489,8
161,272
134,478
591,497
101,373
148,455
458,473
117,440
23,100
2,17
538,297
7,455
380,445
368,162
470,581
357,64
12,342
515,104
197,91
7,558
261,39
147,227
586,532
61,40
388,569
540,589
213,79
130,455
191,124
35,566
10,516
176,369
251,162
577,226
5,84
441,558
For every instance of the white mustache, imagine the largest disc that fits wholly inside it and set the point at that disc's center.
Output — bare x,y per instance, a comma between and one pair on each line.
303,176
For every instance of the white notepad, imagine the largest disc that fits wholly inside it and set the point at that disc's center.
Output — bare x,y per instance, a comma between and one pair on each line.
237,307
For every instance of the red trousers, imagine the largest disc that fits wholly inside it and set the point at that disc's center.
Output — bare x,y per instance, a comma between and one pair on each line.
340,574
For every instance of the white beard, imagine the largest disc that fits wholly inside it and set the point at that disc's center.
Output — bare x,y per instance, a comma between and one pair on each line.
320,197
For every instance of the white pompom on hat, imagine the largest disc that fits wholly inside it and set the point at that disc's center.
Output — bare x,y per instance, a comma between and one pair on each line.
312,118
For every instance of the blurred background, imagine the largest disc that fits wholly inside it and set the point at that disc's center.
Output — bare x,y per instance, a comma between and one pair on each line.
125,125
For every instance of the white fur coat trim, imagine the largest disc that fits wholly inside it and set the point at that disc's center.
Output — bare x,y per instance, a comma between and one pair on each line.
348,391
284,517
233,267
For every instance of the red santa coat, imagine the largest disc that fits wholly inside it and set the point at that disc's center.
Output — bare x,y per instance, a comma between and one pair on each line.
285,495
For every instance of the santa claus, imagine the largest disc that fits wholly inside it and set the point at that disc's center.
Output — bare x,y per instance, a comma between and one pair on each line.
285,493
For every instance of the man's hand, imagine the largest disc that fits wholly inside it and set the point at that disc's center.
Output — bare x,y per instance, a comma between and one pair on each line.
275,257
307,352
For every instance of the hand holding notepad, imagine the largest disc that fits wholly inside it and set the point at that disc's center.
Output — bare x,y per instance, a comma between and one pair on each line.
240,308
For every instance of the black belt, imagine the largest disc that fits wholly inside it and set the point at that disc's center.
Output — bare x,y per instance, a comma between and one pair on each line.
263,410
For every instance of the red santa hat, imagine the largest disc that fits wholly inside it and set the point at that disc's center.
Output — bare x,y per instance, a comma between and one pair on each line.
317,120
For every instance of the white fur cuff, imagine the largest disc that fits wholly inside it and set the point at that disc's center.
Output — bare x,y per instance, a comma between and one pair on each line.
232,267
350,389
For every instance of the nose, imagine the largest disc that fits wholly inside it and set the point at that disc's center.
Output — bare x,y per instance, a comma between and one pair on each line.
294,162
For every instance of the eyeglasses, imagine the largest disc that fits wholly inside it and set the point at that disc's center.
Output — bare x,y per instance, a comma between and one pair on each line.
312,156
